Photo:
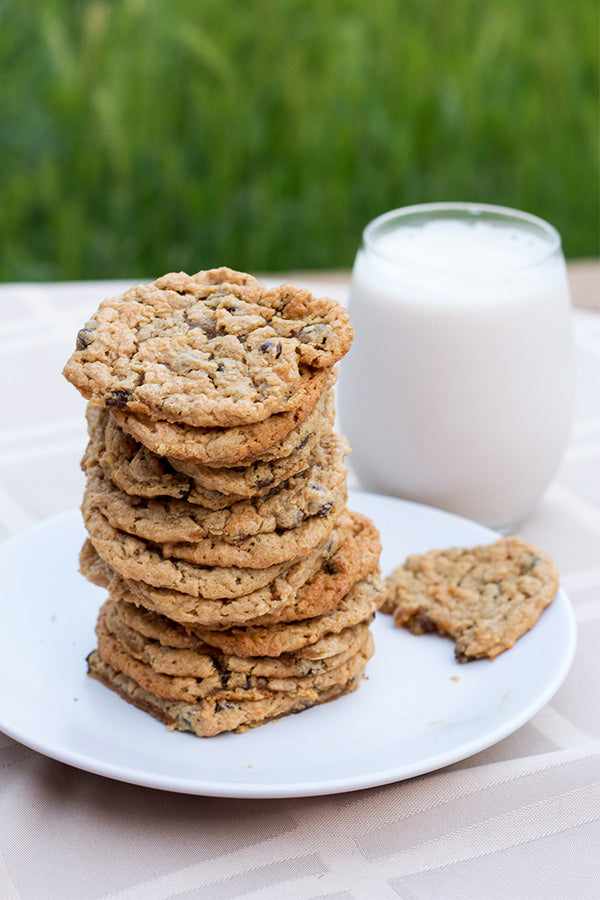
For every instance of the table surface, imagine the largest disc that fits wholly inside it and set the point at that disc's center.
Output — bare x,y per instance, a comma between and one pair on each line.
519,819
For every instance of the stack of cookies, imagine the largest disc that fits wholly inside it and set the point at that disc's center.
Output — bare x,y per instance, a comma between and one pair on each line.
240,587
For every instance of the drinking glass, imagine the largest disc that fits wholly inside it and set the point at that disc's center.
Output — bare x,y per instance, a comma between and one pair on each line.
457,391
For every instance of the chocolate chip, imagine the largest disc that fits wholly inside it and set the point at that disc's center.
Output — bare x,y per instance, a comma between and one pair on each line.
84,338
421,623
314,334
219,663
325,509
531,563
186,719
200,318
268,345
118,398
315,667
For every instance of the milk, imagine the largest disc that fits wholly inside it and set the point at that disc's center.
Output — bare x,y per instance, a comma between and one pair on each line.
457,390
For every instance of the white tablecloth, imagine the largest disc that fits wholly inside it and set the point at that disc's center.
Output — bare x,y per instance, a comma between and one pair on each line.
517,820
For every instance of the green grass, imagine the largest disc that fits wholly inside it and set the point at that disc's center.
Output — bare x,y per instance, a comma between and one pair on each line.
142,136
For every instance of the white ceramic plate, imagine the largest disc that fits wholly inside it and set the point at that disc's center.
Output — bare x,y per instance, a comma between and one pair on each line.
417,711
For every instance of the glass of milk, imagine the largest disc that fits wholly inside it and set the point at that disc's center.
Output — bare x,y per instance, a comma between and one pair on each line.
457,391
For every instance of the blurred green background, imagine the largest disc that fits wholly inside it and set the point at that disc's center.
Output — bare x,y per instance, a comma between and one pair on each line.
143,136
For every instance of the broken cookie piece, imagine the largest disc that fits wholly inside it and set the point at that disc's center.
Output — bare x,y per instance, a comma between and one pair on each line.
484,598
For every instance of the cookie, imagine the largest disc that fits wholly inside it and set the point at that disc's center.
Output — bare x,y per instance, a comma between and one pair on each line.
139,472
258,553
254,477
134,558
311,493
227,446
358,605
207,718
214,349
239,688
262,551
171,648
199,671
485,598
93,567
131,467
308,588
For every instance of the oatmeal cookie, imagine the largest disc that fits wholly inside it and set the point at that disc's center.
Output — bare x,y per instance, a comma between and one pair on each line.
191,673
176,650
254,477
271,438
134,558
357,606
484,598
214,349
308,588
207,718
311,493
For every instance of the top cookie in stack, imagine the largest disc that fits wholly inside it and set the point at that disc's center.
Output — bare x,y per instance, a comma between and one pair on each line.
216,500
216,349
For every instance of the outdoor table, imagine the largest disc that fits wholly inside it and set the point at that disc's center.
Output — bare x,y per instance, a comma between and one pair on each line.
519,819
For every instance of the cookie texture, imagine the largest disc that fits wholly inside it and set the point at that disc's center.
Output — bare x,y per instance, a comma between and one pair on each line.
358,605
173,650
485,598
228,446
214,349
209,717
136,559
190,677
139,472
256,475
311,493
307,588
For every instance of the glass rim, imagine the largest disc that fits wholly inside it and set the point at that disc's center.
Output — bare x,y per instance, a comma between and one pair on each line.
438,210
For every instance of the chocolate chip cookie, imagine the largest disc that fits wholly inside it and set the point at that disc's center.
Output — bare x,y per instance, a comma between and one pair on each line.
174,650
311,493
209,717
214,349
271,438
485,598
308,588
